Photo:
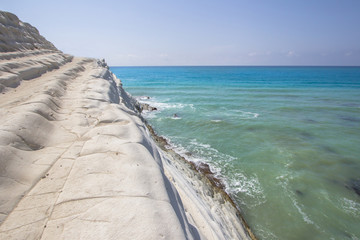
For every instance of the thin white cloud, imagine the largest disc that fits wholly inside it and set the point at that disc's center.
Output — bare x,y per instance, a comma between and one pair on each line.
163,55
132,56
291,54
252,54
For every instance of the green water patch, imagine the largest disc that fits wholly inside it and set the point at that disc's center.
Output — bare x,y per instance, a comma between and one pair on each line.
284,140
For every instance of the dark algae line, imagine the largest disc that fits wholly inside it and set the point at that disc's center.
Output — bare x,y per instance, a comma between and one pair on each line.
204,170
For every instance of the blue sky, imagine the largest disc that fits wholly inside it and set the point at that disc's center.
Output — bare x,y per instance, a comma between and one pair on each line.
199,32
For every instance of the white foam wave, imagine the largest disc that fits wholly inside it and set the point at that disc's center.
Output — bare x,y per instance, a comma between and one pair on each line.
246,115
265,233
217,161
216,120
284,180
142,98
176,118
351,207
200,152
161,105
177,148
206,146
234,183
248,185
303,214
149,114
182,151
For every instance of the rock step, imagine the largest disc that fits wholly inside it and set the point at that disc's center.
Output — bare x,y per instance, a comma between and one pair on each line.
107,175
13,71
40,57
5,56
29,118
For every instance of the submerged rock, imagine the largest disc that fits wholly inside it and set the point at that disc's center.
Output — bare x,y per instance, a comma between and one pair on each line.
354,184
350,119
300,193
147,107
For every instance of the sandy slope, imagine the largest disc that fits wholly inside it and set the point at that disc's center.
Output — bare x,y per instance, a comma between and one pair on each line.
77,161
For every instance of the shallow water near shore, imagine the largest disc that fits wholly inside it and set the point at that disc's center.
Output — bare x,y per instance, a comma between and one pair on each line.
284,139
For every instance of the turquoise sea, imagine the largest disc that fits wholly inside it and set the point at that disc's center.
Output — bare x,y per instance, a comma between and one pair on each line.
286,140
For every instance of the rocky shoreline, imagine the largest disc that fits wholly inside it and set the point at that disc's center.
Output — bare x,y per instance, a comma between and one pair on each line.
203,172
210,183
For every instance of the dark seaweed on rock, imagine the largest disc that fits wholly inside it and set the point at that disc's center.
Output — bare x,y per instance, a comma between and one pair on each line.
202,169
147,107
354,184
205,169
299,193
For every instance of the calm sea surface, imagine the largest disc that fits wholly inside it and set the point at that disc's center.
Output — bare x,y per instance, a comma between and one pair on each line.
286,140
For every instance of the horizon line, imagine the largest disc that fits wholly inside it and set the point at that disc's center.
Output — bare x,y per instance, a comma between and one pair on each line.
234,65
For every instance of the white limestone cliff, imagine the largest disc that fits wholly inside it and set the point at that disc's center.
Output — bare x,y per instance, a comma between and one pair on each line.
19,36
78,162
